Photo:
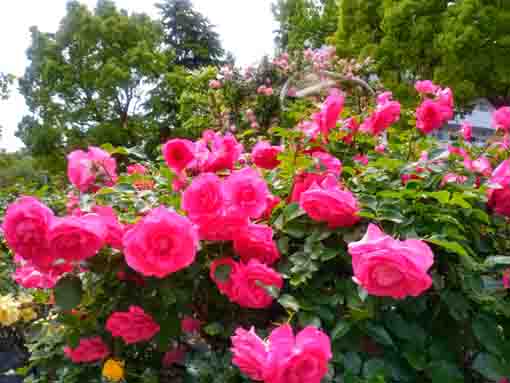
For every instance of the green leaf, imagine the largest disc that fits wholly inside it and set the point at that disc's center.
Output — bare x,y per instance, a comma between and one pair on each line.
453,247
292,211
289,302
490,367
441,196
487,333
380,334
443,371
68,292
352,362
222,273
213,329
374,368
342,328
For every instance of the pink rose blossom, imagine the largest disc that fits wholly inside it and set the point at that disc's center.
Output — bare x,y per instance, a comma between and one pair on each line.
483,166
453,178
303,182
136,169
247,192
132,326
215,84
429,116
89,350
204,197
26,224
114,229
361,159
388,267
179,154
506,279
329,203
31,278
283,358
256,242
265,155
467,131
272,202
161,243
249,282
224,152
385,115
175,356
426,87
190,325
499,201
88,170
75,239
331,110
332,165
223,227
501,175
381,148
384,97
268,91
225,285
501,118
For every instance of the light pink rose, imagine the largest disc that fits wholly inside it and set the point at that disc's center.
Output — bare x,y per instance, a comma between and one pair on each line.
248,285
26,224
501,118
283,358
89,350
331,204
132,326
429,116
136,169
91,169
190,325
265,156
179,154
205,197
482,165
247,192
426,87
161,243
256,242
31,278
215,84
74,239
328,163
388,267
381,148
250,354
467,131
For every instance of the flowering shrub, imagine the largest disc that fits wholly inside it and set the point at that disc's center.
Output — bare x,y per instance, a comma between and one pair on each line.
361,250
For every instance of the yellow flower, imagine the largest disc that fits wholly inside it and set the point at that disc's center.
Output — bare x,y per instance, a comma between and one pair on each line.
28,314
113,370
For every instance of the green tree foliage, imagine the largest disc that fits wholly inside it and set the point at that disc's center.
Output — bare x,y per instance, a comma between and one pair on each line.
189,35
88,82
304,23
6,81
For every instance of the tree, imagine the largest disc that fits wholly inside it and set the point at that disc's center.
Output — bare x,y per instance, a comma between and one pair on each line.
88,82
189,35
6,81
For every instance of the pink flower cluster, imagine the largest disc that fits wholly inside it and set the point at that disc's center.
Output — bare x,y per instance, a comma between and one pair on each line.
265,156
325,120
88,350
284,357
433,113
132,326
388,267
245,283
386,114
88,170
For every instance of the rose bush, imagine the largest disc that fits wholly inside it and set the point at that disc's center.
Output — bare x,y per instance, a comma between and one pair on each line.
359,247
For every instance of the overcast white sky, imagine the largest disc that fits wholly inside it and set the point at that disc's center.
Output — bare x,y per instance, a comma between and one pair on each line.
245,27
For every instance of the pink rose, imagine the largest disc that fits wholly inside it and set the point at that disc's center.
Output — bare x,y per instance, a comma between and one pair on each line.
247,192
179,154
501,118
483,166
161,243
499,201
329,203
467,131
283,358
268,91
26,224
88,170
204,197
265,156
388,267
331,110
89,350
75,239
446,102
328,163
223,227
250,354
132,326
136,169
215,84
384,97
249,281
256,242
303,182
426,87
381,148
272,202
429,116
114,229
361,159
385,115
221,272
31,278
453,178
501,175
506,279
175,356
224,153
190,325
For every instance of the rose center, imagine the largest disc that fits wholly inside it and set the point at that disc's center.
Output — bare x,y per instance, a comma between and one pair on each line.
386,275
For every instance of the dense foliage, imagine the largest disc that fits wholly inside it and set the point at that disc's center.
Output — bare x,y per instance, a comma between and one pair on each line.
341,217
